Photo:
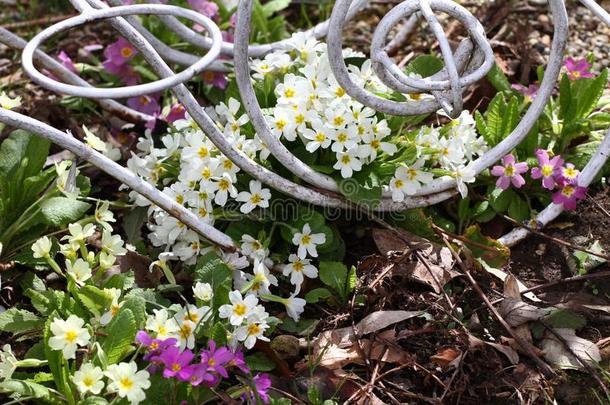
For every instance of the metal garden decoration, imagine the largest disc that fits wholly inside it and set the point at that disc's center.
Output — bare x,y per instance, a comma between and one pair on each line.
469,63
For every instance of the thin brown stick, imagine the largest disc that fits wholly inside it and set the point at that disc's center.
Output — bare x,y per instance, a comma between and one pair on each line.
586,365
599,206
436,280
556,240
525,345
37,21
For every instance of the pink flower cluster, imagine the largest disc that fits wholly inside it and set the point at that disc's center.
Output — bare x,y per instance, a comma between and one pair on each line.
554,173
209,370
578,69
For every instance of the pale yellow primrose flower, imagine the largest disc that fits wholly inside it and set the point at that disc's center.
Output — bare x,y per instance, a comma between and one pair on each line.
68,334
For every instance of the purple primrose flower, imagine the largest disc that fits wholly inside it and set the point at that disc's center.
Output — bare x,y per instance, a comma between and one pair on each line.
548,169
509,173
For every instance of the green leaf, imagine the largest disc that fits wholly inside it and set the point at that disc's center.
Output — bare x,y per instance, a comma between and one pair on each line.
351,281
317,294
59,211
498,79
259,362
219,334
16,320
518,209
121,333
19,145
137,305
564,318
274,6
93,401
304,327
425,65
94,299
363,188
495,254
501,199
47,301
25,389
334,275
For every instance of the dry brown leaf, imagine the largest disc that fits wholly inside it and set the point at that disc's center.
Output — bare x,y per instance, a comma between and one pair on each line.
447,357
556,352
381,319
508,351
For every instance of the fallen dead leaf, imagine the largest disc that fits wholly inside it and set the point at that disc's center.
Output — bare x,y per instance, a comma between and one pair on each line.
381,319
556,352
508,351
448,357
504,276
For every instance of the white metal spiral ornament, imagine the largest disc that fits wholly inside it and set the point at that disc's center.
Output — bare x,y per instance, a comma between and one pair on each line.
469,63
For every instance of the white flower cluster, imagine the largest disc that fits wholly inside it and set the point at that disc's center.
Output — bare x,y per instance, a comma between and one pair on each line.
198,176
182,325
450,148
312,106
247,316
124,379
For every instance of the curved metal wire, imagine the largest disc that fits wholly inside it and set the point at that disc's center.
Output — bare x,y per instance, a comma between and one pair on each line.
471,60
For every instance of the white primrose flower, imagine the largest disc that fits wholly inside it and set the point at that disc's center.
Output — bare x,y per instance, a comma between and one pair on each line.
193,314
42,248
106,260
320,136
235,261
9,103
115,306
68,334
408,180
348,163
297,269
229,113
199,148
225,188
262,278
253,328
186,335
372,144
96,143
451,152
256,197
79,233
127,382
294,306
305,45
283,124
112,244
307,242
203,291
89,379
463,175
103,216
253,248
79,270
239,309
161,324
344,139
262,68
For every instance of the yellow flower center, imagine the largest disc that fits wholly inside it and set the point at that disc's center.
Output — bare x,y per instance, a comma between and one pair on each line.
203,152
154,346
185,331
375,144
297,266
253,329
176,367
546,170
570,172
345,159
289,93
299,119
126,52
88,381
206,173
239,309
162,330
227,164
114,309
280,124
180,199
256,198
398,183
339,92
509,171
320,137
575,74
412,173
306,240
568,191
223,184
70,336
126,383
338,121
342,137
191,316
203,212
212,362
